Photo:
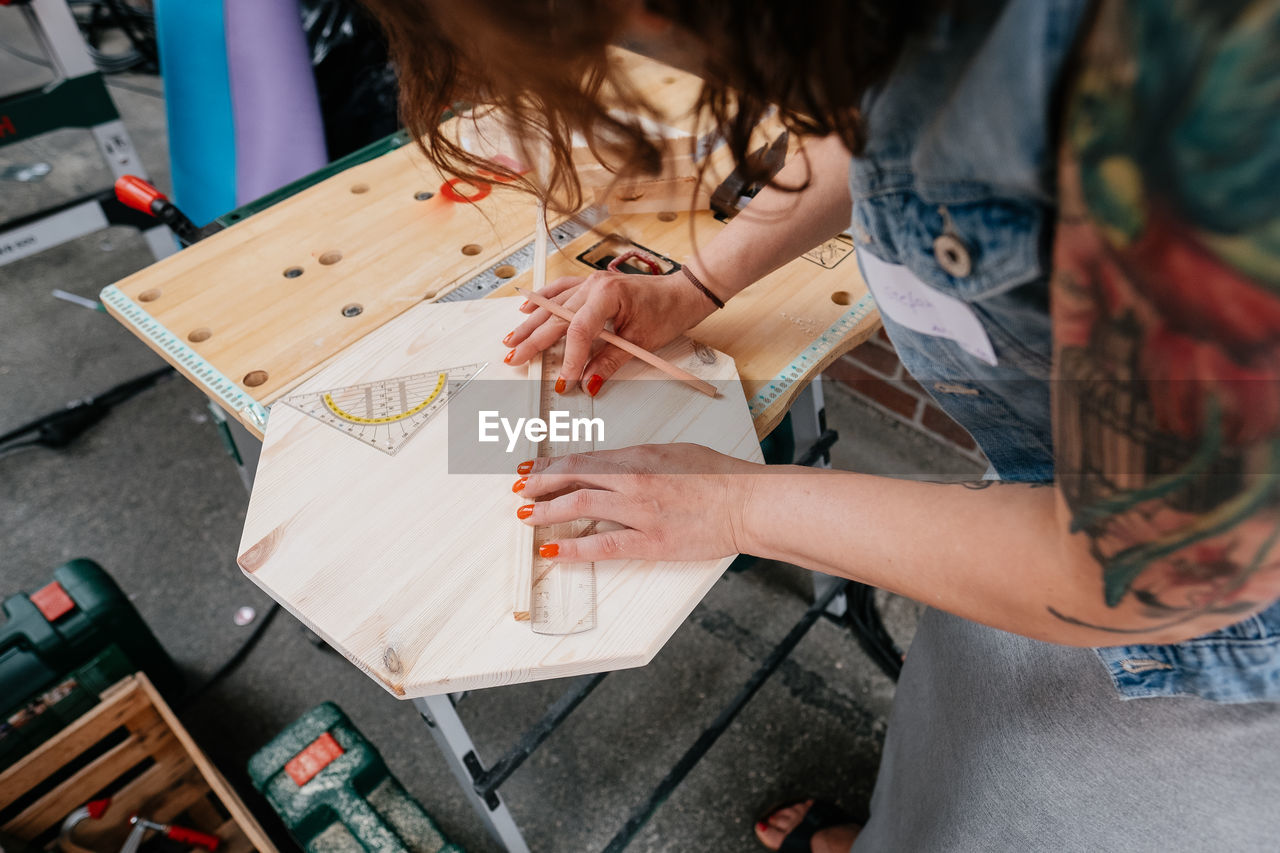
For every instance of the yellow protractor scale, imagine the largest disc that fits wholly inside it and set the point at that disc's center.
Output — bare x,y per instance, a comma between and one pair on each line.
386,419
386,413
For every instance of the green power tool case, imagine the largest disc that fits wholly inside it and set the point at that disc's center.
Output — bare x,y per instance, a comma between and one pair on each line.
63,645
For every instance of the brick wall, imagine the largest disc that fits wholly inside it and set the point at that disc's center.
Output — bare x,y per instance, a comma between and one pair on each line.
874,374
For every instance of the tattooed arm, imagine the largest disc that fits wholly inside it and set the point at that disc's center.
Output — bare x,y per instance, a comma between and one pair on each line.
1166,308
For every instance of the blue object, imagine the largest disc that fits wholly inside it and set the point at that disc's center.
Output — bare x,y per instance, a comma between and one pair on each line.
193,60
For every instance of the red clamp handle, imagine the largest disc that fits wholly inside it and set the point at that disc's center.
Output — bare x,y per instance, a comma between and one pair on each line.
136,193
182,835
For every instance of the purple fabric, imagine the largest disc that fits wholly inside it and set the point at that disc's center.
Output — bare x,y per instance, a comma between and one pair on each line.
278,129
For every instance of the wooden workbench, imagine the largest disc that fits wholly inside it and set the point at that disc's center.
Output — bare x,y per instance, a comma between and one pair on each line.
250,312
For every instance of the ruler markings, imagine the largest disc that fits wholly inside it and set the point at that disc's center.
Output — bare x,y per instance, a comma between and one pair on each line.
563,595
151,329
812,354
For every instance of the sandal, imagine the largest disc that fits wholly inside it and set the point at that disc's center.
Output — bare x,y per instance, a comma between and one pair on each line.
821,815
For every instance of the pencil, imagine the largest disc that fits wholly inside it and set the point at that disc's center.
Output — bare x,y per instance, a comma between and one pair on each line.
624,344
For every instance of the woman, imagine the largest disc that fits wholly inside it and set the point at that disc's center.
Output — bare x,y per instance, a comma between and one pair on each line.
1085,193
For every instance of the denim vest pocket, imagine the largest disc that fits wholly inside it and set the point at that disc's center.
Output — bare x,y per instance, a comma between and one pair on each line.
1004,239
1239,663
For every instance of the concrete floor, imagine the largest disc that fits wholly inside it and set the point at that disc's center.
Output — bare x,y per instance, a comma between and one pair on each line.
151,495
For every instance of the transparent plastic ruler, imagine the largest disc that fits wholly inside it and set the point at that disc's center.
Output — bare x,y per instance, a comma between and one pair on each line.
387,413
563,598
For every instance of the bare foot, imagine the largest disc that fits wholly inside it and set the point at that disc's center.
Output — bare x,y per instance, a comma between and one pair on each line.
833,839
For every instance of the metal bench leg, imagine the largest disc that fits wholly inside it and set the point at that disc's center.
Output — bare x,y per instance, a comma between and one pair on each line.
455,743
809,422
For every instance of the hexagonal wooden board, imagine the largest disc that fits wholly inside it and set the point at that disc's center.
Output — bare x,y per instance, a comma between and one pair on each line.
407,567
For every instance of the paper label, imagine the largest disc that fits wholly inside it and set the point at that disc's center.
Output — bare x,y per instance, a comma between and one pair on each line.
908,301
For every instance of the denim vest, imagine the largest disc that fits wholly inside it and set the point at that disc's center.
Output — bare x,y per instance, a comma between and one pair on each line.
956,185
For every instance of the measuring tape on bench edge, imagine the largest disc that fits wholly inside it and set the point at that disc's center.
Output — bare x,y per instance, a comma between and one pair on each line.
521,260
213,380
812,355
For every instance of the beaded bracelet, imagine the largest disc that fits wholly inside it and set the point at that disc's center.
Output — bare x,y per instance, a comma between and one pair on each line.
693,278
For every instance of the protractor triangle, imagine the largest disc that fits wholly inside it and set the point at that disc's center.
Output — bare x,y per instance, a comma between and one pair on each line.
386,413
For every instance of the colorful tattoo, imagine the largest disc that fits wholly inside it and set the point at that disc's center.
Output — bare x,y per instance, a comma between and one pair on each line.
1166,304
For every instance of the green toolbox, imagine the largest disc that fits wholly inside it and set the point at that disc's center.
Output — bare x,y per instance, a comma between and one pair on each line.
335,793
61,646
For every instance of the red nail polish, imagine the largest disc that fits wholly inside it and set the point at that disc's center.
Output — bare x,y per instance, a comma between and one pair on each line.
507,339
525,305
520,484
762,826
549,550
524,467
510,356
524,511
594,383
560,384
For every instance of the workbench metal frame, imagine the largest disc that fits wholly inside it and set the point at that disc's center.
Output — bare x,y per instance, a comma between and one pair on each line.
480,784
77,98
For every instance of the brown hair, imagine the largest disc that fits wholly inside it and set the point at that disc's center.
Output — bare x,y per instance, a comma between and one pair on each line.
544,64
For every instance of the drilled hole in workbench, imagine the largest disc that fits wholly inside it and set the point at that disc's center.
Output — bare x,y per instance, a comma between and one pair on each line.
352,310
149,295
841,297
359,188
254,378
330,257
471,249
505,271
668,80
293,272
424,195
198,335
667,216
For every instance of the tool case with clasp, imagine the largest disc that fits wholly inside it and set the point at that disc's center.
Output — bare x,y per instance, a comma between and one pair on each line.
61,646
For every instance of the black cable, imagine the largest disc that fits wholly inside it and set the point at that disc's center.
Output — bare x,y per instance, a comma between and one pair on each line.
868,628
235,660
58,429
14,448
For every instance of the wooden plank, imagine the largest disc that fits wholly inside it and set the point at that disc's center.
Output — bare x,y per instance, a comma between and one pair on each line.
212,777
177,799
418,592
233,840
135,797
116,708
50,809
203,812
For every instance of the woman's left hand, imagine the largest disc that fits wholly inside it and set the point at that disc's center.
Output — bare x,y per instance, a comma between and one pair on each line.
674,501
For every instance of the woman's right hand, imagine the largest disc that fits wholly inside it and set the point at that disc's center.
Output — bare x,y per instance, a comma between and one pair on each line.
650,311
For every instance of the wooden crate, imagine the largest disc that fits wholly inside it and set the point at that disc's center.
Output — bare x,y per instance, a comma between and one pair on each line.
132,748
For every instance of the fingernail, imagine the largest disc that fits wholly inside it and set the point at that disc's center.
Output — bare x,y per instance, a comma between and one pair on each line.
549,550
525,305
524,511
507,339
594,383
559,384
510,356
762,826
524,467
520,484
